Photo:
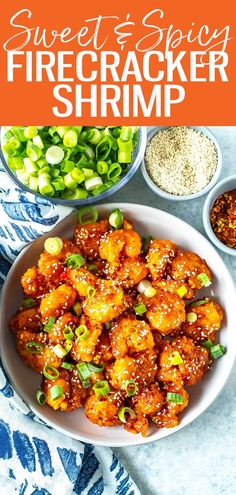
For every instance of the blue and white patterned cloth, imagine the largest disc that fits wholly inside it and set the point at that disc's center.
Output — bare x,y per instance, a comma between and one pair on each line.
35,459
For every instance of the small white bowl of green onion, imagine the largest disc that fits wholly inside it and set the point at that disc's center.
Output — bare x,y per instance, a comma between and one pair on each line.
72,164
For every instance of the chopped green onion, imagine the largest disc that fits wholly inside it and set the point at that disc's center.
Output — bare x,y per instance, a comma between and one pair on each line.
176,398
70,139
83,371
201,302
77,309
108,325
101,388
82,332
204,280
41,397
122,414
67,366
49,324
75,261
191,317
56,392
207,344
34,347
88,214
92,268
86,383
68,333
29,302
54,155
33,151
68,346
116,219
60,351
140,309
30,132
175,358
53,245
114,171
96,368
102,167
50,372
182,291
217,351
130,387
145,243
92,183
91,291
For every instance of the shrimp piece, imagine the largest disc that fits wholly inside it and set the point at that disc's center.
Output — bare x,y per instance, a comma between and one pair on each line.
123,369
103,349
209,318
34,283
87,238
149,400
168,416
57,302
136,425
36,361
195,361
27,319
55,335
81,279
73,392
101,411
166,312
84,350
160,254
130,272
52,266
120,242
107,302
130,335
187,266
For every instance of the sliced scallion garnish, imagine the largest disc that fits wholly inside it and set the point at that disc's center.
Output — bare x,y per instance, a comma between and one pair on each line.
217,351
82,332
68,333
67,366
175,358
53,245
101,389
139,309
204,280
83,370
207,344
29,302
49,324
50,372
41,397
56,392
91,291
77,309
88,214
75,261
116,219
96,368
34,347
123,411
130,387
191,317
176,398
201,302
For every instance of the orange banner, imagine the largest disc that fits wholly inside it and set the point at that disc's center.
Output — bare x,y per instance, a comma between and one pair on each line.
166,62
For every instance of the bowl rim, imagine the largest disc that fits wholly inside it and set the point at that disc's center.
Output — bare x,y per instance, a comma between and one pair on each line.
90,199
213,194
165,432
173,197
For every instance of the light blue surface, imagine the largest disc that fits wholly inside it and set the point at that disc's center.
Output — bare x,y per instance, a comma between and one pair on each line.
201,458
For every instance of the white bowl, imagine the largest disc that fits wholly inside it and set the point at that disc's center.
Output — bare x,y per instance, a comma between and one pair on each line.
223,186
174,197
148,221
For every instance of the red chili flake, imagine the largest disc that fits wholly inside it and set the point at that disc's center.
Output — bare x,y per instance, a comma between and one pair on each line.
223,218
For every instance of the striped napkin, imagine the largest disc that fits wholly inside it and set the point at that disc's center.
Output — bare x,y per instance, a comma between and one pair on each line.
36,459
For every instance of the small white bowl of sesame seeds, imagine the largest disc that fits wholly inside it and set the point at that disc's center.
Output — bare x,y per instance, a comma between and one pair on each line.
182,162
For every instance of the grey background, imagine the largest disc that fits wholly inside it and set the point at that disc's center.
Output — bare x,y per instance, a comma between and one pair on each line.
200,459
